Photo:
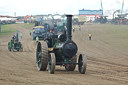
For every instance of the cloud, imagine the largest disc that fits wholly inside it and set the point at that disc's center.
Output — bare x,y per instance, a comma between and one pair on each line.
33,7
117,2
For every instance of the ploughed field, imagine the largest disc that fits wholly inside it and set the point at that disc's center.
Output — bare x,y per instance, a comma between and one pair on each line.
107,55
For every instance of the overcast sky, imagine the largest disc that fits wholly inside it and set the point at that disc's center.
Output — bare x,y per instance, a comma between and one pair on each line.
34,7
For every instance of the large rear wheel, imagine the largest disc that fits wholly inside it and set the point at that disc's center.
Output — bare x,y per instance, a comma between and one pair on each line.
82,63
42,56
51,63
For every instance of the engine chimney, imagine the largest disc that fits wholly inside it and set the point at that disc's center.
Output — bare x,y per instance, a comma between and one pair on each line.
69,27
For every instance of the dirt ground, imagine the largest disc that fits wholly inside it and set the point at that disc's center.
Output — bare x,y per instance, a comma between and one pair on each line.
107,55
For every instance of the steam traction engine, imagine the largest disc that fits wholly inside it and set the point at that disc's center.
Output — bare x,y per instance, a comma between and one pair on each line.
60,50
15,44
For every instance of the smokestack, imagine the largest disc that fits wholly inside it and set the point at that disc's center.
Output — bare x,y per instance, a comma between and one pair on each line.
69,27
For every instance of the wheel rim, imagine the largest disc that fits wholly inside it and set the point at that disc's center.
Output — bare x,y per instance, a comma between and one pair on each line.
51,63
80,64
38,59
9,46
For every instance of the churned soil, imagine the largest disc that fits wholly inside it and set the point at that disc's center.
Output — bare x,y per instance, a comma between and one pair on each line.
107,59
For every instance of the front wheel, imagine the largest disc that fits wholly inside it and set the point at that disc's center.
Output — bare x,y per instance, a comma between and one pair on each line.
9,47
51,63
21,49
18,49
82,63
